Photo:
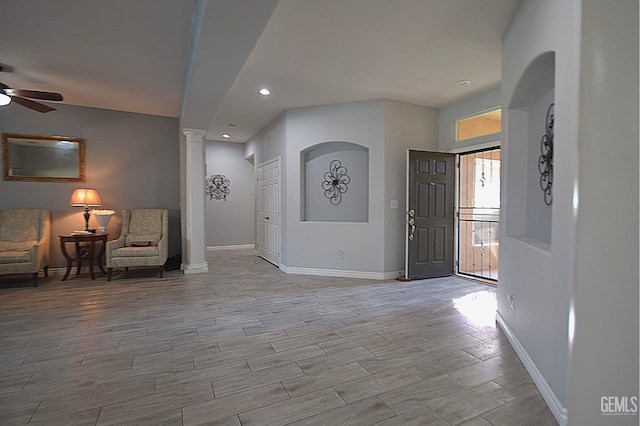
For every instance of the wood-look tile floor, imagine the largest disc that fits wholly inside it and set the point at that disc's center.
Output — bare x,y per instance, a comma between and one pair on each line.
249,345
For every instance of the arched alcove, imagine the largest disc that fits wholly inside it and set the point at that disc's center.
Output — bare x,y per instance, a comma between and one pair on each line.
528,211
335,183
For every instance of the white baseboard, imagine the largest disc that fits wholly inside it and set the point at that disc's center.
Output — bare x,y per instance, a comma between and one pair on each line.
340,273
231,247
200,268
559,412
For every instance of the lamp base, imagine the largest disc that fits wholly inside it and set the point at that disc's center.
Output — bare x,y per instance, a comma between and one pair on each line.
86,218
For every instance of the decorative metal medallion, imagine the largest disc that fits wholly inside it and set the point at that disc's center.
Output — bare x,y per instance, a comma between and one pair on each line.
218,187
545,161
335,182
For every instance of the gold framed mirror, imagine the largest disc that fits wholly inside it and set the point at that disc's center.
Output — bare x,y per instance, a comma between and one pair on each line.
42,158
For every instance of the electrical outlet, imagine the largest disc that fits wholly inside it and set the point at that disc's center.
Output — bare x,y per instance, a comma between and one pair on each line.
512,300
340,255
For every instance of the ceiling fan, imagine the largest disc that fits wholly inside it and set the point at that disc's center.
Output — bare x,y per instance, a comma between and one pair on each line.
23,97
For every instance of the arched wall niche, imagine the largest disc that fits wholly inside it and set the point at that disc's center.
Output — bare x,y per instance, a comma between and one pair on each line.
527,214
351,205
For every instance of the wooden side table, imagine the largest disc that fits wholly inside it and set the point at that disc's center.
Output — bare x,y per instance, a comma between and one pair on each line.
85,246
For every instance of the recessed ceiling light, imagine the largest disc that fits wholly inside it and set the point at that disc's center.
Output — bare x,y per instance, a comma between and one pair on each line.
463,82
265,92
226,135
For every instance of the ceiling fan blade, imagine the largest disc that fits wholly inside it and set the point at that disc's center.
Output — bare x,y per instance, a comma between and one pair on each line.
36,106
34,94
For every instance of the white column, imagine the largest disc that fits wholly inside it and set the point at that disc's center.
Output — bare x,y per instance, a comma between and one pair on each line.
195,261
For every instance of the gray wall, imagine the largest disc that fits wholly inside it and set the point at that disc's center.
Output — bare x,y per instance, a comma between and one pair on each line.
315,245
269,143
407,126
538,221
448,115
131,160
230,222
354,204
387,129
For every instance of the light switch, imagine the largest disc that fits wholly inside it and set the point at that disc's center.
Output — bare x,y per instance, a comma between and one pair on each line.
394,204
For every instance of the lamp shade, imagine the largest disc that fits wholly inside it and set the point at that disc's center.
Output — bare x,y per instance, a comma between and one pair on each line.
85,198
4,99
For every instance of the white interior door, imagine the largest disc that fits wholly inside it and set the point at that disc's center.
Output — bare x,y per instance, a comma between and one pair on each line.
268,214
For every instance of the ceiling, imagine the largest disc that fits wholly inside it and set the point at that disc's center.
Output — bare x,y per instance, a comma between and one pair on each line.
204,61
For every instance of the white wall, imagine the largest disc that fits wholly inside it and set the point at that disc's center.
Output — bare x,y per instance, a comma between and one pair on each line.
230,222
132,160
537,274
604,360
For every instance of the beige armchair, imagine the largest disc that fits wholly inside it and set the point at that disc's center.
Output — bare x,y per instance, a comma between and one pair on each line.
24,242
143,241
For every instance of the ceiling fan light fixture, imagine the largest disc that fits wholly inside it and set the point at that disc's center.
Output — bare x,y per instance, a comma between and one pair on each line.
4,99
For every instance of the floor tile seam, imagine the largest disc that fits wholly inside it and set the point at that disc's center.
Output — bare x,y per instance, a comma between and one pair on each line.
282,352
336,408
329,386
481,416
401,412
98,416
25,383
477,415
23,360
466,387
35,411
386,390
26,364
470,388
502,388
238,414
213,390
493,379
146,397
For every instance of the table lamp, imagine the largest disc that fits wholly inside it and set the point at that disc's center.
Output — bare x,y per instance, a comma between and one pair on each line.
85,198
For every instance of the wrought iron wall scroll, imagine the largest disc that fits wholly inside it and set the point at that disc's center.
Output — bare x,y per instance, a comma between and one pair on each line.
218,187
335,182
545,160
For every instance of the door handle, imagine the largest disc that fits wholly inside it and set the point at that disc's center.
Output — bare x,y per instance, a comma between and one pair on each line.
412,228
412,212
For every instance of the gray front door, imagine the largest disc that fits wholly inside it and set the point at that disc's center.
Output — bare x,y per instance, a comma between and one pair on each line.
430,224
